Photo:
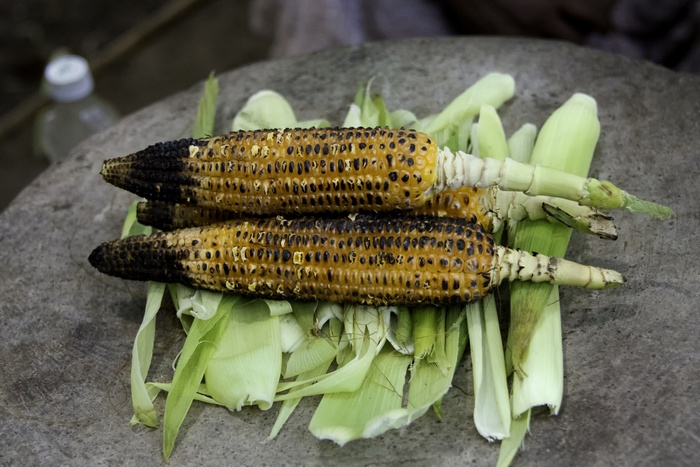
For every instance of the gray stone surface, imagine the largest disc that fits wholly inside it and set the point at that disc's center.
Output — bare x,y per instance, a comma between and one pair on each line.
631,353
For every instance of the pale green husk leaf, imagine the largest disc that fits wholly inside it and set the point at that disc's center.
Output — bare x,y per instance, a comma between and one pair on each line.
519,427
491,139
246,366
200,346
142,353
567,141
491,401
206,111
447,126
268,109
381,403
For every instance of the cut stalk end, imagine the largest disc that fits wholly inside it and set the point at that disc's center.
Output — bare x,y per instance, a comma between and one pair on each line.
520,265
604,194
595,222
634,204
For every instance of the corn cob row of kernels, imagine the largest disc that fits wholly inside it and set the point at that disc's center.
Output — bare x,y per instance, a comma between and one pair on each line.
387,260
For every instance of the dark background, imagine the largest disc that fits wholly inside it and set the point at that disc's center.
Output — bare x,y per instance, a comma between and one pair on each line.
144,50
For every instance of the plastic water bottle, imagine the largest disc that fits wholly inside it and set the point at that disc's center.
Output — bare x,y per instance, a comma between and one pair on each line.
77,111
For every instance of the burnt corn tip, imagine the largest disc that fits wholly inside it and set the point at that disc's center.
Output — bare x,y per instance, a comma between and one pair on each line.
97,259
157,172
139,258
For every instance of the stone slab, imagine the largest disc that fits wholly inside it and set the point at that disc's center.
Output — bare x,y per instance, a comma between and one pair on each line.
631,354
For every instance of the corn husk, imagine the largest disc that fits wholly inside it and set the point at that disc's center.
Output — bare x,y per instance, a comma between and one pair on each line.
268,109
534,341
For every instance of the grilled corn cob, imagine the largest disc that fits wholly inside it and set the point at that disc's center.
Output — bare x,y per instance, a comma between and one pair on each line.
301,171
368,259
462,203
285,171
488,207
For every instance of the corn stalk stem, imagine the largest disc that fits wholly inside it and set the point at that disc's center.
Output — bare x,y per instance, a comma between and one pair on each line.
459,169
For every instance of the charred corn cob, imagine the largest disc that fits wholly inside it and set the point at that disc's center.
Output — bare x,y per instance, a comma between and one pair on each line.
301,171
486,207
285,171
462,203
368,259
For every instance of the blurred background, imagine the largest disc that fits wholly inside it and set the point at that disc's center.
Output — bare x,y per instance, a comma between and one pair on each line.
141,51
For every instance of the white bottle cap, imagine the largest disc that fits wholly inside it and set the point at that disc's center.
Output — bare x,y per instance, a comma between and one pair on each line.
69,78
